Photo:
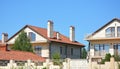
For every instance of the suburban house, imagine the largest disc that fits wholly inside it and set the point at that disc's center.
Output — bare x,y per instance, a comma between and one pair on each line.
105,40
6,56
46,42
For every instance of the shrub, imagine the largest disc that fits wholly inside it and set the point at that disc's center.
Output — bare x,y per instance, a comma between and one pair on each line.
116,57
107,58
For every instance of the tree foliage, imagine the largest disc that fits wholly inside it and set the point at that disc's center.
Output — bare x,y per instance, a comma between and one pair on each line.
83,53
22,43
56,59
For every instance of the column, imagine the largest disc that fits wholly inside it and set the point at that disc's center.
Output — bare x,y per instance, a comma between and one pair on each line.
111,49
92,51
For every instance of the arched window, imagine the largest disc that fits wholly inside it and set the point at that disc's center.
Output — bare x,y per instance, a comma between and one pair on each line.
118,31
110,32
32,36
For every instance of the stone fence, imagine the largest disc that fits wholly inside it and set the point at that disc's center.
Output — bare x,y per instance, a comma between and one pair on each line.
63,65
108,65
31,65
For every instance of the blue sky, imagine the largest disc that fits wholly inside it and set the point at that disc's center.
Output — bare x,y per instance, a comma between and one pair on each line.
86,15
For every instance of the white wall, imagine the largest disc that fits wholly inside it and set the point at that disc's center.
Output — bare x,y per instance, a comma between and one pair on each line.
39,38
101,33
45,51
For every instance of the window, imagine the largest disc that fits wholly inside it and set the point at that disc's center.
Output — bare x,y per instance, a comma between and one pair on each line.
37,49
32,36
61,50
107,46
110,32
119,47
96,47
118,31
71,51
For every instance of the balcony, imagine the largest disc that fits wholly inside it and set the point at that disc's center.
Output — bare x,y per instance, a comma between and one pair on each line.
100,53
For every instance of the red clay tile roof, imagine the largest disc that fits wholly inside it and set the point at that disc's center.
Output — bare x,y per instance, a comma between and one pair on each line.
20,55
43,32
63,39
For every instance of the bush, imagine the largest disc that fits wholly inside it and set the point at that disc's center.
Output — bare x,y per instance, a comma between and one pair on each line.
107,58
103,61
116,57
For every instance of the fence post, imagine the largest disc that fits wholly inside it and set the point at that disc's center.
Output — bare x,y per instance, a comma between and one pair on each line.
68,63
90,63
10,66
64,65
28,64
112,63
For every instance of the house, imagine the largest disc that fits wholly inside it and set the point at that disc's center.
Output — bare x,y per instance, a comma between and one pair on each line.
17,56
46,42
105,40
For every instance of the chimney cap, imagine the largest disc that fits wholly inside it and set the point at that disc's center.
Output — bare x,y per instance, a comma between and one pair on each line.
6,34
50,21
72,26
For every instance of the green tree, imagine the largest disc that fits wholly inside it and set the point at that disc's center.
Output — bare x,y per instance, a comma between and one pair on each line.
83,53
56,59
22,43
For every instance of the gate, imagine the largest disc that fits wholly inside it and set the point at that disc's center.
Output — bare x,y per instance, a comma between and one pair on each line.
78,64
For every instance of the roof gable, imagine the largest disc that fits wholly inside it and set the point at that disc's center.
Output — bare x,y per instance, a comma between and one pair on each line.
115,19
43,33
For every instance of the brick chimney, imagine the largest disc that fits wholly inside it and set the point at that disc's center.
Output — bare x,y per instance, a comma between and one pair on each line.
72,33
50,29
4,37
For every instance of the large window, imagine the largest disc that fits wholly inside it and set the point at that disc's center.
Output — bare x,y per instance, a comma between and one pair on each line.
118,31
107,46
110,32
37,49
96,47
101,49
32,36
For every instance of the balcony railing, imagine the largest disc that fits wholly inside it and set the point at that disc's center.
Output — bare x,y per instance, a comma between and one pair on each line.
100,53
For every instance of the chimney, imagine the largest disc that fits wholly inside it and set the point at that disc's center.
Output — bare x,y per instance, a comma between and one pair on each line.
58,35
72,33
4,37
50,29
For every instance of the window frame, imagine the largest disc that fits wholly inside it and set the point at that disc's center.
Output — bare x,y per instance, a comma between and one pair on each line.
118,31
109,32
38,50
32,36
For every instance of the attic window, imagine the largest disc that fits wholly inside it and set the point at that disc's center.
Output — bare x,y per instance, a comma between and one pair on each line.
32,36
110,32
